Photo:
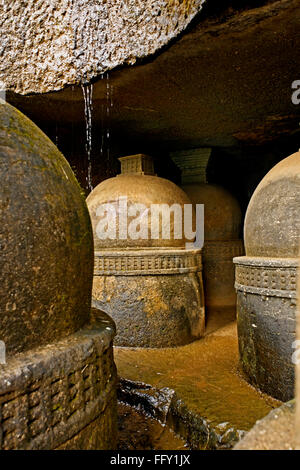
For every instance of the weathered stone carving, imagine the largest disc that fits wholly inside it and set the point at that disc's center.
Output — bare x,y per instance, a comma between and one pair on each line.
151,287
222,222
266,280
46,45
57,385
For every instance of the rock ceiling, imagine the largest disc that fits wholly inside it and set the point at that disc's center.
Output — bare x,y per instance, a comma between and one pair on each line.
226,81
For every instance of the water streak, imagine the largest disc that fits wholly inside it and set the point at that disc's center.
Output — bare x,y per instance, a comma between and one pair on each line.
87,91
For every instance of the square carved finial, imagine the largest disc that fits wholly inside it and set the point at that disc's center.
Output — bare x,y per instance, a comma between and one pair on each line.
139,164
193,164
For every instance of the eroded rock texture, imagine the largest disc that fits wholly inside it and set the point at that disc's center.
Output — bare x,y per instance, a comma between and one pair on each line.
48,44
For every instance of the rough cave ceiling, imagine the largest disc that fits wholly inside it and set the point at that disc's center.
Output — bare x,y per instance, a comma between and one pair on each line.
225,82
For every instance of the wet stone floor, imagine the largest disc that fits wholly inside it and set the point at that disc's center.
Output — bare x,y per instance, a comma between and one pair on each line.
206,379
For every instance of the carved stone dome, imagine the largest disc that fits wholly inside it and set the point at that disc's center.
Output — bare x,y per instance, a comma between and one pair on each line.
272,224
140,186
45,239
222,213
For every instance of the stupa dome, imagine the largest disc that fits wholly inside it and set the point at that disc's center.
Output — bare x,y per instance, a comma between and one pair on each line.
45,239
272,224
151,285
139,185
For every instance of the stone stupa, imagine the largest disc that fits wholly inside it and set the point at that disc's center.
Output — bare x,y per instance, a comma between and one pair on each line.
57,374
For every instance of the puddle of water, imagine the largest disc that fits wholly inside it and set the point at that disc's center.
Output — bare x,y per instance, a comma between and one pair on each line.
204,374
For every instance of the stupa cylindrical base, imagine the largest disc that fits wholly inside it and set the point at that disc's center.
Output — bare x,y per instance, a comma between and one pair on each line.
154,295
